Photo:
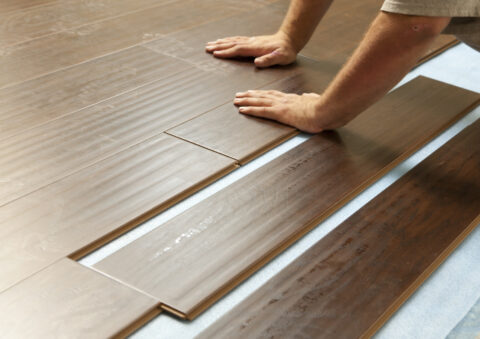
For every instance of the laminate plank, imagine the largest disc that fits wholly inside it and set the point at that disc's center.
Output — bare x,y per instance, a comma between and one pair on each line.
350,282
74,141
81,212
47,98
243,138
441,44
16,5
54,16
68,300
44,154
195,258
45,55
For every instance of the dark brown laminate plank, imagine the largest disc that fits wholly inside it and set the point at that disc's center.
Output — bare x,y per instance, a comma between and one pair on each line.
192,260
45,55
241,137
38,101
68,300
351,281
57,16
81,212
171,91
44,154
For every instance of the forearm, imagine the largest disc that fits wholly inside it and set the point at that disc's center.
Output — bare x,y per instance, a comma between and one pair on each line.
301,20
391,47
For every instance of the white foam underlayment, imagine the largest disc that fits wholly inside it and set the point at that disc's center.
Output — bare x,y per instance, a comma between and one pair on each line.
437,306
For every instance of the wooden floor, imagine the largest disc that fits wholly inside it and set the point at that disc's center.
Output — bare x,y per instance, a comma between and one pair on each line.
111,112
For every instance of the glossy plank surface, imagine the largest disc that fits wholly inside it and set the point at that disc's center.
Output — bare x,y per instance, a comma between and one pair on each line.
60,15
241,137
68,300
64,49
82,211
195,258
351,281
47,98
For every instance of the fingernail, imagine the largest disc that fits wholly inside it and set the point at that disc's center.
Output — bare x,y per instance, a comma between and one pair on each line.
236,101
242,109
240,94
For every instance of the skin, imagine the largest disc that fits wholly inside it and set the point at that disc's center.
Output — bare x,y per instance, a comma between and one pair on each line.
390,48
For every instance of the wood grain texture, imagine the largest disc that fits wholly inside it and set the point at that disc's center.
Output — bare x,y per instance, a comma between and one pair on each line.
17,5
60,15
68,300
36,57
44,154
351,281
81,212
195,258
38,101
241,137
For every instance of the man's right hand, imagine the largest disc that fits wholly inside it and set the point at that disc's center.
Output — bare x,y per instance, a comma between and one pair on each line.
268,50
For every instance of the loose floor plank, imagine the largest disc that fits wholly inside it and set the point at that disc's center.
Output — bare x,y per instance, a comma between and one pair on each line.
47,98
243,138
68,300
79,213
195,258
351,281
36,57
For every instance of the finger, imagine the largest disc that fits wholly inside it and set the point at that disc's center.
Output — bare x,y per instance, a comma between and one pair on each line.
252,94
253,102
268,60
262,112
219,47
230,39
239,51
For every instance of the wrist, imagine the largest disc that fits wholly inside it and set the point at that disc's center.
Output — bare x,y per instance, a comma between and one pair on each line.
288,40
327,116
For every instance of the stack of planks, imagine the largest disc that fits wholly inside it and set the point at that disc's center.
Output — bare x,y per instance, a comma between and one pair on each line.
111,112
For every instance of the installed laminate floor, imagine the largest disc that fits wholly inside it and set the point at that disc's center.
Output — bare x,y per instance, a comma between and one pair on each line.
349,283
68,300
80,212
216,244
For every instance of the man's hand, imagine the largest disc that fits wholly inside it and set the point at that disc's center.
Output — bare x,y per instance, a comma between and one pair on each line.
268,50
299,111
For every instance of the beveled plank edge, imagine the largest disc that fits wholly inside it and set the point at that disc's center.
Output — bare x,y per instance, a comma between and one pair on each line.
421,279
139,322
436,52
167,2
80,253
242,161
139,44
268,147
210,300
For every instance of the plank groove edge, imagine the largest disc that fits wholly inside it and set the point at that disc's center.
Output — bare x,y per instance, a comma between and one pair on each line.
82,252
421,279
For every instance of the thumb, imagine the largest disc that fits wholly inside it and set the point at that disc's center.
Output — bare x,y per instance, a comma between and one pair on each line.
268,60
